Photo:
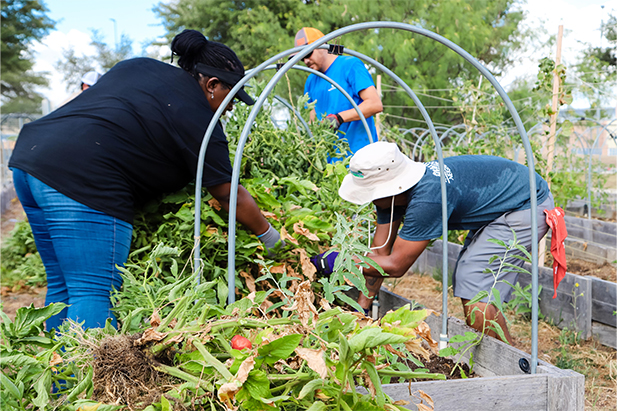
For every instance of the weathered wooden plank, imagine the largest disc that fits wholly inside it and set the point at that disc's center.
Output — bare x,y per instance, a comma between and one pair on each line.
604,301
572,308
505,393
566,391
502,385
605,334
492,357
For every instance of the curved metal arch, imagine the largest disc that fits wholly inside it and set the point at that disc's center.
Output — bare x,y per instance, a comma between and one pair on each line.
302,51
204,144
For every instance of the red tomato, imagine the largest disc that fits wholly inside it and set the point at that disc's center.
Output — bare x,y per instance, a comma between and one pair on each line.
239,343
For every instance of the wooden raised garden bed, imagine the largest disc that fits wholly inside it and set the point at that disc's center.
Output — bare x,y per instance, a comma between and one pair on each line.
587,308
500,384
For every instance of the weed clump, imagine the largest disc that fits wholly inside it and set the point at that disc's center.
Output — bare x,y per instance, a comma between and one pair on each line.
124,374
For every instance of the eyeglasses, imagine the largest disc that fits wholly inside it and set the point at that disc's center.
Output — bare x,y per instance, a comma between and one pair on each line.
308,56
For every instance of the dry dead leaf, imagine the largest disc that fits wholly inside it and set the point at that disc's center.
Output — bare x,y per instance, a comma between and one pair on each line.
300,229
173,323
278,269
325,304
155,319
415,347
177,339
314,359
369,383
295,207
214,203
286,237
246,367
268,214
303,304
308,269
55,359
250,281
424,331
424,397
389,348
227,393
400,402
149,335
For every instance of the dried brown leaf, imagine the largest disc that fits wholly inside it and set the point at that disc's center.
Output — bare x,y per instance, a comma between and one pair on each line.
308,269
300,229
246,367
278,269
227,393
424,331
314,359
214,203
424,397
303,304
155,319
286,237
250,281
149,335
389,348
55,359
268,214
415,347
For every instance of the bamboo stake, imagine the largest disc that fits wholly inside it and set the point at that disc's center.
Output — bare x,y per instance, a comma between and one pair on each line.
550,145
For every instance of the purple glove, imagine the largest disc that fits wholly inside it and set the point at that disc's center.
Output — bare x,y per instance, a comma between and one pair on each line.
323,263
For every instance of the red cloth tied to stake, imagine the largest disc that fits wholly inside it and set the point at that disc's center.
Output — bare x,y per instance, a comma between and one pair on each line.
555,220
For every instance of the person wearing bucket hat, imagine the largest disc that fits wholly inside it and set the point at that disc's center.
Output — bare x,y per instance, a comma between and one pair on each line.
487,195
89,79
81,170
331,106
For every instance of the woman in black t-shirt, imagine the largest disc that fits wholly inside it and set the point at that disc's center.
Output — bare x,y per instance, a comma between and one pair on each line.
80,171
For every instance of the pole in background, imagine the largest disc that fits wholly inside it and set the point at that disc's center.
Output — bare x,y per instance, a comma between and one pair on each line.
549,152
115,34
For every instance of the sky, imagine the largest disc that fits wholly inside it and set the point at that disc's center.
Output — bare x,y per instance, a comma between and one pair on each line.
76,19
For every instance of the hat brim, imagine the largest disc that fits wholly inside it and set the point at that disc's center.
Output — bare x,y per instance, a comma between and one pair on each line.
244,97
408,177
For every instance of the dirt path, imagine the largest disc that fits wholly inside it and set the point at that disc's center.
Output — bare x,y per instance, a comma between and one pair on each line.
18,296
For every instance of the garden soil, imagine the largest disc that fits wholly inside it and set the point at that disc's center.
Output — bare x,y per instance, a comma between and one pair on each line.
597,362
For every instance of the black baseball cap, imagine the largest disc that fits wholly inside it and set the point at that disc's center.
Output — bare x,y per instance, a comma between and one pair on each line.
228,77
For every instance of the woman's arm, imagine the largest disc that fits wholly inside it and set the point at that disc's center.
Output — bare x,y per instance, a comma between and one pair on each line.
247,211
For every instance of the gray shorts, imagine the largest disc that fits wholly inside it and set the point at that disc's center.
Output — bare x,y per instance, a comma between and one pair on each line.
469,276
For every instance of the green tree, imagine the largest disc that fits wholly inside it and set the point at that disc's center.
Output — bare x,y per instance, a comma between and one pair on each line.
597,69
73,66
23,22
257,29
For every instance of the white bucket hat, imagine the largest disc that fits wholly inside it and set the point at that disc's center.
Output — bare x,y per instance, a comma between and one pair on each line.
90,78
379,170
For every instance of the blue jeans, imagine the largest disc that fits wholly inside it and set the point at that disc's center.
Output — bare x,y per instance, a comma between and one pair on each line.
80,248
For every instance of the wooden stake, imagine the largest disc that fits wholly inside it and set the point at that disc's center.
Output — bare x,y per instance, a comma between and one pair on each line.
550,145
378,115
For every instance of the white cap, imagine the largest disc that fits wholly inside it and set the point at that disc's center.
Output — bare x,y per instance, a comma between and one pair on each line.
90,78
379,170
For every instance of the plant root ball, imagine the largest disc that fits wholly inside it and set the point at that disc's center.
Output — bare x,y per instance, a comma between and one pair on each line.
124,374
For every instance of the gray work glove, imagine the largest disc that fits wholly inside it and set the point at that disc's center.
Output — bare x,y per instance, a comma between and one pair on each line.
270,238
